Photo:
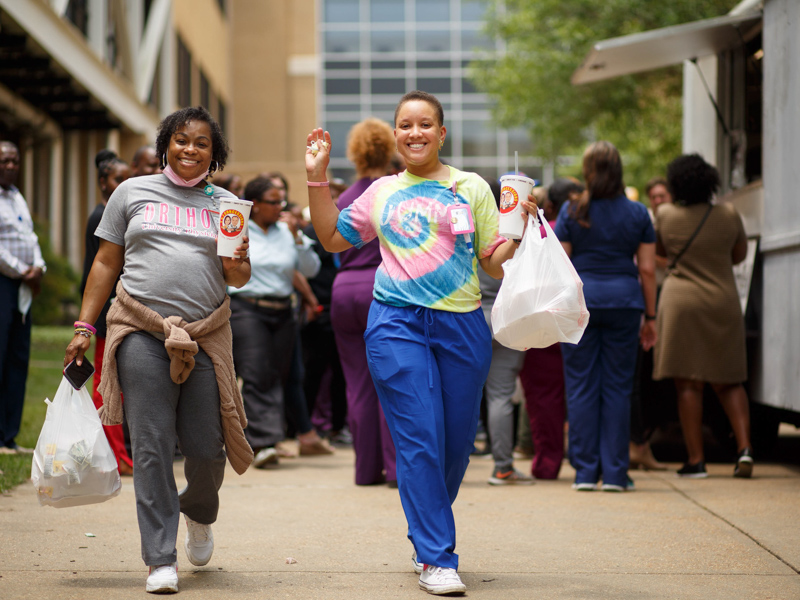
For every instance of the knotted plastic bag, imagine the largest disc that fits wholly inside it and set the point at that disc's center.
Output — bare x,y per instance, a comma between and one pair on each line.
73,463
540,301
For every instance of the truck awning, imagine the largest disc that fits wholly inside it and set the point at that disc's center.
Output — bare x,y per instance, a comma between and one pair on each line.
658,48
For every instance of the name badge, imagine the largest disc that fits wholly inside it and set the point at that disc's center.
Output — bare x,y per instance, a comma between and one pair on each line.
460,218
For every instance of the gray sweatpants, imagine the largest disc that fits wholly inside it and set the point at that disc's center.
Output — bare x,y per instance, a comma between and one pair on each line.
159,411
499,389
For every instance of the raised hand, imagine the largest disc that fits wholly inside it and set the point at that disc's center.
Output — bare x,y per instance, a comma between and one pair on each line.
318,146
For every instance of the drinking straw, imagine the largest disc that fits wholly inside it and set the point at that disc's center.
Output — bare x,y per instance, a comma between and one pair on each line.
516,162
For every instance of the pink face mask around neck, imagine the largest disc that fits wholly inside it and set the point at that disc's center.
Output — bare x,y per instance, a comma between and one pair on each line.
178,180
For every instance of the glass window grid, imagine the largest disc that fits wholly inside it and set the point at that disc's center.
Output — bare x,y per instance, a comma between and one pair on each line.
337,111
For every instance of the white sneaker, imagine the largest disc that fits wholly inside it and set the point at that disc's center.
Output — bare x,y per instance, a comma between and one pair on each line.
266,458
441,580
199,544
585,487
418,566
163,579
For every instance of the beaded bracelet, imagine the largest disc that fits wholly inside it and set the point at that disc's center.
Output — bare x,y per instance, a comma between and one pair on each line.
83,331
87,326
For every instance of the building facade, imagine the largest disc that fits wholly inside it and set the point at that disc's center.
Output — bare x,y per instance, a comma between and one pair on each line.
374,51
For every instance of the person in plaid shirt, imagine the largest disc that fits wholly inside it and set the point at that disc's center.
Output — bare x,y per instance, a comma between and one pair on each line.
21,270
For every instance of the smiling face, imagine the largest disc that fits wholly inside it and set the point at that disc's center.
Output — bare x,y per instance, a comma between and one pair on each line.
418,134
190,150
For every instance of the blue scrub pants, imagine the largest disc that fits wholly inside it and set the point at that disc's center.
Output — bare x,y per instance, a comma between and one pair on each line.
598,374
429,367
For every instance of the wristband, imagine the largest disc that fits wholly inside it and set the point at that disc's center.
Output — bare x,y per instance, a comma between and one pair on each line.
649,317
318,183
82,325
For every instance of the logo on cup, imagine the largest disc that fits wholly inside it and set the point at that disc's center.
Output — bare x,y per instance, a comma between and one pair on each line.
231,223
508,199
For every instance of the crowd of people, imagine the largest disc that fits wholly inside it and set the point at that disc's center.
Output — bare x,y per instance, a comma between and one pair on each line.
370,324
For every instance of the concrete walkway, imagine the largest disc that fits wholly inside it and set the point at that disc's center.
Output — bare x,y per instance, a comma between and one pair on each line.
717,538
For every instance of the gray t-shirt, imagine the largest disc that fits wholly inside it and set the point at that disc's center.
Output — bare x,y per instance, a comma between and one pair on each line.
170,239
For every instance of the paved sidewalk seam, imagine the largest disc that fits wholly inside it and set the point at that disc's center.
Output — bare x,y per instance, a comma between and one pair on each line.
730,524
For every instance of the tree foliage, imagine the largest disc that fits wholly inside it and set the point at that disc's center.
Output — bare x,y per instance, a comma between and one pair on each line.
546,40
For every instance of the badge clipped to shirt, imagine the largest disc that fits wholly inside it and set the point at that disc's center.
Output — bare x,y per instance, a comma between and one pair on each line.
460,218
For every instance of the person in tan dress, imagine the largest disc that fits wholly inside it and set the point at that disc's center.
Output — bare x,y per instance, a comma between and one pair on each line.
701,335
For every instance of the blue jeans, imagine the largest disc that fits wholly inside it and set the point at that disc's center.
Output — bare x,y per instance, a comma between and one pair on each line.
429,367
598,374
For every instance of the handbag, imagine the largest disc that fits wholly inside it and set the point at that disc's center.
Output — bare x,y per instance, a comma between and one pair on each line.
73,463
540,301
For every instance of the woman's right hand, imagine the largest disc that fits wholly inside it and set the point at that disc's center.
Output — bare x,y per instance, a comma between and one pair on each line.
317,164
76,349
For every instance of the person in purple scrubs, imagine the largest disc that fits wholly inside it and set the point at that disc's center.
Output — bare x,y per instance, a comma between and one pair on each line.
370,146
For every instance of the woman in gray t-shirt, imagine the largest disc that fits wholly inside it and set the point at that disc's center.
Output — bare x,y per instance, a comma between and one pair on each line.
163,229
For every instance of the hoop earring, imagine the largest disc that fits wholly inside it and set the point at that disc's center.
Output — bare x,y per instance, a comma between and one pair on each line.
164,160
212,168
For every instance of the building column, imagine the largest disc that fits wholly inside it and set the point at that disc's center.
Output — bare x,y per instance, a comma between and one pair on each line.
56,194
74,241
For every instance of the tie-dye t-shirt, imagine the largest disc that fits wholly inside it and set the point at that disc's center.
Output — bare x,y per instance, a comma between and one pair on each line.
424,264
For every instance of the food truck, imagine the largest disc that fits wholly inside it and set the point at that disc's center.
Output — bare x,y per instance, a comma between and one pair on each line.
741,112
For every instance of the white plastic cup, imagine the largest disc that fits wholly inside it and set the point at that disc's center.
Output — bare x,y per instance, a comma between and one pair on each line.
513,189
232,224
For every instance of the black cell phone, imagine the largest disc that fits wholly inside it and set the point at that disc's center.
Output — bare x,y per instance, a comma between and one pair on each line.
78,375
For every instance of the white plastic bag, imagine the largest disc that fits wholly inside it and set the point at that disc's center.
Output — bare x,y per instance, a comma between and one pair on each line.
73,463
540,301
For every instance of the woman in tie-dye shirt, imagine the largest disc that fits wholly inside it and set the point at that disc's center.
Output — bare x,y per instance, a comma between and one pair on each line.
428,345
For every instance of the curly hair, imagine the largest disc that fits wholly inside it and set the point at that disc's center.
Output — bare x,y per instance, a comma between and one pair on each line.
425,97
692,180
173,122
370,145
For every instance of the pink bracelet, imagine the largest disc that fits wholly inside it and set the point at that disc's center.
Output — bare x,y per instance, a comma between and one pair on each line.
318,183
86,325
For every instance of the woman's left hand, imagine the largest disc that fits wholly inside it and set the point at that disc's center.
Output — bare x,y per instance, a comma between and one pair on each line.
236,270
648,334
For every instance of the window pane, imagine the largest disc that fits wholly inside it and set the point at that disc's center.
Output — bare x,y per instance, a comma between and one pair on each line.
520,141
480,138
389,86
433,41
433,64
339,131
434,85
388,41
342,86
342,64
467,87
387,11
341,41
341,11
433,10
473,10
388,64
474,39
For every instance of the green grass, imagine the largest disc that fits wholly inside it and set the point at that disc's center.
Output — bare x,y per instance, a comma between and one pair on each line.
48,345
